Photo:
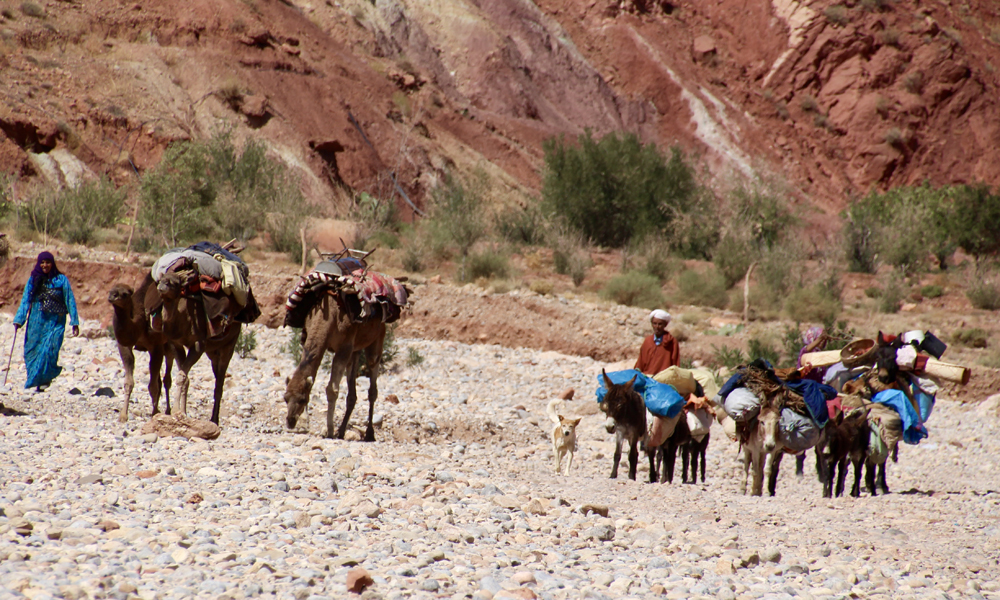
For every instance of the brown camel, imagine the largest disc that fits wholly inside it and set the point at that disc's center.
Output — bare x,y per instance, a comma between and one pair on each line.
327,327
185,326
132,333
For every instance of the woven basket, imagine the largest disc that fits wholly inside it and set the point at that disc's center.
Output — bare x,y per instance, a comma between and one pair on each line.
858,352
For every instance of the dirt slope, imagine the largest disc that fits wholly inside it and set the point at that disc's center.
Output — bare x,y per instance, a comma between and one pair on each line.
834,99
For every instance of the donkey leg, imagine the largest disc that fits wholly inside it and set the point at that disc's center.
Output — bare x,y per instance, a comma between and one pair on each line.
774,462
633,458
617,456
841,476
870,469
651,453
704,456
880,482
128,361
858,465
758,473
800,463
352,394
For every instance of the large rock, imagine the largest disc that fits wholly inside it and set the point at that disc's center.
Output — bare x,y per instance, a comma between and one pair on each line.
181,426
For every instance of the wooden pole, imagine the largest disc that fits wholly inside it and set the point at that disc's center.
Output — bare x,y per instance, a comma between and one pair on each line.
302,234
746,294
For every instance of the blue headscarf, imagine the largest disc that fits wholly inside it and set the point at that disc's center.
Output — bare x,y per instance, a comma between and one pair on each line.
38,276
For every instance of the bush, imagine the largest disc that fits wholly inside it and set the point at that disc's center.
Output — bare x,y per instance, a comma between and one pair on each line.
293,346
456,213
92,205
873,292
976,220
759,220
32,9
914,82
728,357
984,294
521,225
971,338
412,259
616,189
246,343
932,291
791,342
892,296
634,289
702,289
413,357
569,257
837,15
487,264
541,286
758,348
812,304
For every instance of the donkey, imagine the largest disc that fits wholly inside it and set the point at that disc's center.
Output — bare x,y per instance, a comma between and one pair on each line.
764,449
330,327
132,333
845,437
623,404
691,450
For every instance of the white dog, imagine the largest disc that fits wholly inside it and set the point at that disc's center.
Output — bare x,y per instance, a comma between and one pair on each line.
563,435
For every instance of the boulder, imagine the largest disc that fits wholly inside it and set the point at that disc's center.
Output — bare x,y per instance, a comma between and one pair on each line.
358,580
181,426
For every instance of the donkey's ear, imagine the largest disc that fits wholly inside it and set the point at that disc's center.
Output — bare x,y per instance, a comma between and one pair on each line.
607,380
631,382
880,339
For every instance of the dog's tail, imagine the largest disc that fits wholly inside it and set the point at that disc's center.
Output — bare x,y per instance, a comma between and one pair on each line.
551,410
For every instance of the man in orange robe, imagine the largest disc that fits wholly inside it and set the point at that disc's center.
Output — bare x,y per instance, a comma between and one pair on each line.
659,350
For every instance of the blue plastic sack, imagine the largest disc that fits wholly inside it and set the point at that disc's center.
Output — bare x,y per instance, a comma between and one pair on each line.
913,428
661,399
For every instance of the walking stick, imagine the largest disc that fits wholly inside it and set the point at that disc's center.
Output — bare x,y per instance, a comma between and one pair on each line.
5,373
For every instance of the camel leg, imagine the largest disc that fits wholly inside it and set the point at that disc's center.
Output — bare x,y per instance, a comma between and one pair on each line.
352,395
155,362
128,361
220,364
373,361
185,361
168,353
337,370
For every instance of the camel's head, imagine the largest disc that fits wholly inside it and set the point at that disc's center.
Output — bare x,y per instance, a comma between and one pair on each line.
768,420
170,286
297,392
120,295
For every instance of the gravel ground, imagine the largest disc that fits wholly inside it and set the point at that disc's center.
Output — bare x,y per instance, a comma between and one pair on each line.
456,499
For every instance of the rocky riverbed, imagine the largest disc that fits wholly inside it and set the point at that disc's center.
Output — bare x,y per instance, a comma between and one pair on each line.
456,499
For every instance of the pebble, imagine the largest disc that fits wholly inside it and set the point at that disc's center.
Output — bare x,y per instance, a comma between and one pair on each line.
468,508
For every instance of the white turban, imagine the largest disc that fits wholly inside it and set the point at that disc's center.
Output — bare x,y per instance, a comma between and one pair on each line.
660,314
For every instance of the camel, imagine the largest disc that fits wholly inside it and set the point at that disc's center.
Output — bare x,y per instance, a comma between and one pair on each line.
328,326
186,327
132,333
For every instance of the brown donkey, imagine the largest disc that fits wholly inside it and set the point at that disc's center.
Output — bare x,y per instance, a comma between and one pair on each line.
132,333
626,407
186,327
329,327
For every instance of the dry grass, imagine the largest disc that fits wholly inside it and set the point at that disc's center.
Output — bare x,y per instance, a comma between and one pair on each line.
837,15
809,104
32,9
914,82
890,36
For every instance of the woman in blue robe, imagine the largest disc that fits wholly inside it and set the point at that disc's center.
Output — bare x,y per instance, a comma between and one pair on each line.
45,303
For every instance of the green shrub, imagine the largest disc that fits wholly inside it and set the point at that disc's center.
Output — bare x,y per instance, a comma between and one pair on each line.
991,359
758,348
246,343
873,292
456,213
634,288
984,294
32,9
837,15
616,189
812,304
569,257
791,343
412,259
487,264
93,205
702,289
728,357
293,346
892,296
521,225
758,222
413,357
541,286
972,338
932,291
976,220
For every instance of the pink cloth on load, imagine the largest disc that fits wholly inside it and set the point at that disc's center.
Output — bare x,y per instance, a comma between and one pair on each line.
378,287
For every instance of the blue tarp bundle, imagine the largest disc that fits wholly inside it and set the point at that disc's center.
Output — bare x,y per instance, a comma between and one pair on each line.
913,429
661,399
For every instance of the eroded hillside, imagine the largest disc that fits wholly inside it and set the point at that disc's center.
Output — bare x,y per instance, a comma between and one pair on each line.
362,96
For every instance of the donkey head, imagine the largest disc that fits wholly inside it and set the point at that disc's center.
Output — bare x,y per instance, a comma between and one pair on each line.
767,421
618,395
885,359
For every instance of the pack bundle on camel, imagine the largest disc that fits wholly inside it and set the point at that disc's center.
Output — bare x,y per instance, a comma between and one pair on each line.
132,332
200,309
342,307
